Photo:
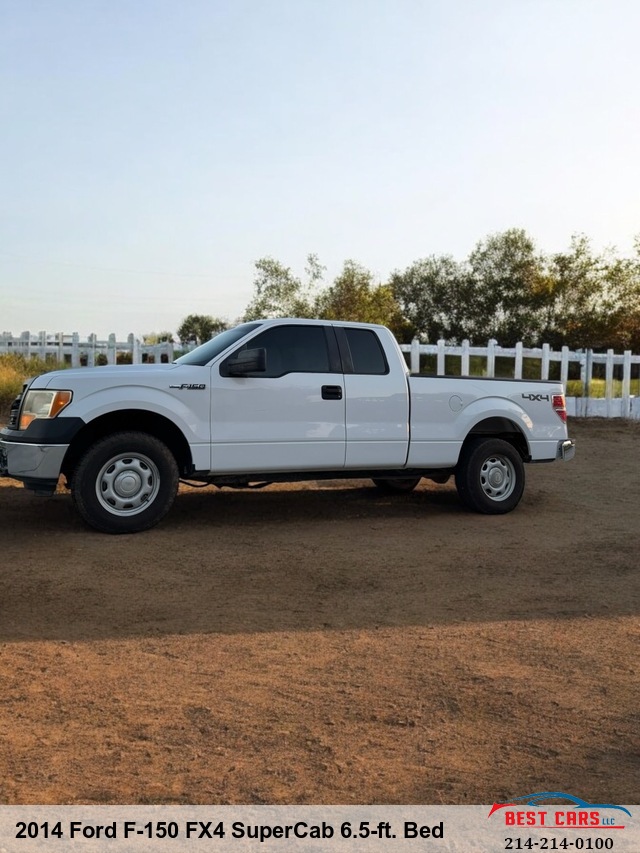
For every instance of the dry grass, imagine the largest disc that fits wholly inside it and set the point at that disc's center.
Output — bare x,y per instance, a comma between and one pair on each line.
14,371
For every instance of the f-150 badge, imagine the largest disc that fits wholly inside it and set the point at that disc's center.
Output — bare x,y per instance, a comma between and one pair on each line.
189,386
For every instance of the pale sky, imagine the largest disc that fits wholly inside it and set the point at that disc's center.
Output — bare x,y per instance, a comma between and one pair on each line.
153,150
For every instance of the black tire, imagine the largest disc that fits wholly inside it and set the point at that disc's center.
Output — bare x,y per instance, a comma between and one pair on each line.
397,485
490,476
125,483
440,479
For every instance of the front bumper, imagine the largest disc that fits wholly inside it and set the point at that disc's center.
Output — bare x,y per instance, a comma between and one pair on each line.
37,465
35,455
566,450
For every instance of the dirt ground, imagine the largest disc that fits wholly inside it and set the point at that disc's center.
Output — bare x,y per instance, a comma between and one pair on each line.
329,644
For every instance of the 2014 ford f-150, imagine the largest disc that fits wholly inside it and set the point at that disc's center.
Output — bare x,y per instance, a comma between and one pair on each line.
276,401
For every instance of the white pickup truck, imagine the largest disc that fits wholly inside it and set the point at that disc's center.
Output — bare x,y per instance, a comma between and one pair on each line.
276,401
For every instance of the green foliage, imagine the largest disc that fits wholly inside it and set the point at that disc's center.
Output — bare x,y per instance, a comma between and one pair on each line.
596,298
153,338
432,295
508,290
498,292
354,296
198,328
598,388
279,293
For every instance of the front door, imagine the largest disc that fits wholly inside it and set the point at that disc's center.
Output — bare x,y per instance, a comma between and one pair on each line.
291,417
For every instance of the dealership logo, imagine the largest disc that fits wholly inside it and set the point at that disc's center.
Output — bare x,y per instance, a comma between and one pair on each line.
560,811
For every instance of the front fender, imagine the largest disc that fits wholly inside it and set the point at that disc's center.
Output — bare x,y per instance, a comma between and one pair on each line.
191,419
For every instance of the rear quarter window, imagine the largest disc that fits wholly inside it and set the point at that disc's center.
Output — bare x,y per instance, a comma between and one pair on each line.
366,352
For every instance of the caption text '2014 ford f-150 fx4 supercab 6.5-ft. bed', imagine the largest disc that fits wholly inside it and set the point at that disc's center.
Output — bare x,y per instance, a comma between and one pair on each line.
276,401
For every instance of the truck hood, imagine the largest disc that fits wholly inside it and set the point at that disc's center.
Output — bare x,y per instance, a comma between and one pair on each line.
117,374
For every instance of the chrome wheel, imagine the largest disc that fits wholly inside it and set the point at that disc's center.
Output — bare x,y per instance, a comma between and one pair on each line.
497,477
127,484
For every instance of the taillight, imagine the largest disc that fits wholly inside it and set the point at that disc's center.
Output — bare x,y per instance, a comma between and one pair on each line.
559,406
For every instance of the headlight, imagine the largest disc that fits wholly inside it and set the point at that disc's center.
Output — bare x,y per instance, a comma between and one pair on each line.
43,404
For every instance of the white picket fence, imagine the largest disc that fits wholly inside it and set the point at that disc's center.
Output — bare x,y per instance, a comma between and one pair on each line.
626,405
71,350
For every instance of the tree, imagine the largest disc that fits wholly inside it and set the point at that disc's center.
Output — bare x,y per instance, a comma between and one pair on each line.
279,293
198,328
506,289
596,299
510,289
628,316
433,297
158,338
499,292
354,296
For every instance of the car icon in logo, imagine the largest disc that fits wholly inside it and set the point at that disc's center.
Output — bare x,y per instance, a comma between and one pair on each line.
542,798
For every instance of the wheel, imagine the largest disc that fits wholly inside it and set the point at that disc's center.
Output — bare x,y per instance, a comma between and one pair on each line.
397,486
490,476
125,483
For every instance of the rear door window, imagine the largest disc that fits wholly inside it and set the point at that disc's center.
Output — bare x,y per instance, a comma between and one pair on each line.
366,352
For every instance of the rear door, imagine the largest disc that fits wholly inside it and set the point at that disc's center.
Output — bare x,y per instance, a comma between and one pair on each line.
377,412
291,417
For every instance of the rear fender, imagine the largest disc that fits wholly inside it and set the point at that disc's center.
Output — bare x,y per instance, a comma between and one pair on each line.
495,416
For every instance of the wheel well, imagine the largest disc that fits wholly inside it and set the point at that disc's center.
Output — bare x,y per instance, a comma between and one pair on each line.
129,419
502,428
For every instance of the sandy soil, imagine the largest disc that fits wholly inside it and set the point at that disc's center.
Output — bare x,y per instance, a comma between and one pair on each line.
329,645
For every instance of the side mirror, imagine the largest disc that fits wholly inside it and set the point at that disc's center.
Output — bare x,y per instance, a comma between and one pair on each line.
245,362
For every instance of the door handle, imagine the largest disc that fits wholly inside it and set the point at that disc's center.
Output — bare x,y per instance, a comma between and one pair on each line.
331,392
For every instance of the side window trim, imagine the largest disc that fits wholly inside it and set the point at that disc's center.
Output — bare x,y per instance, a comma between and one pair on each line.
345,351
335,361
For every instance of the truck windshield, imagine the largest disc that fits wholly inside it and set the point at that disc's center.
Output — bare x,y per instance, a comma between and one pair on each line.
205,352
